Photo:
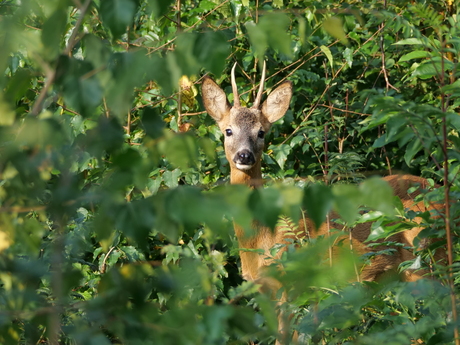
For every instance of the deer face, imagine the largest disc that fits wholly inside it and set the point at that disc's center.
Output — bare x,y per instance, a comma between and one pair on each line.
244,129
244,134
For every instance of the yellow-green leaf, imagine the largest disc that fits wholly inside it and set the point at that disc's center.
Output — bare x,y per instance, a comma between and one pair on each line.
334,27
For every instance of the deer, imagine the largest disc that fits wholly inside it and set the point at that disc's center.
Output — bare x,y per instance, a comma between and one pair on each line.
244,131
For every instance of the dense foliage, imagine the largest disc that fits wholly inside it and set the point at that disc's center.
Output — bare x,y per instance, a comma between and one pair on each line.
116,218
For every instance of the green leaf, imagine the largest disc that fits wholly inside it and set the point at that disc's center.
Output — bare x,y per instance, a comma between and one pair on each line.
271,31
453,89
377,194
207,5
292,201
237,200
453,119
18,84
152,122
281,153
159,70
96,51
128,70
171,178
328,54
7,115
183,60
432,68
348,56
117,15
334,27
347,201
410,41
417,54
52,32
266,204
412,149
180,149
395,126
211,50
160,7
127,159
317,201
81,89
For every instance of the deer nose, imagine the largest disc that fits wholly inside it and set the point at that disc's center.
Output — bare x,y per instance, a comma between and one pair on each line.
244,157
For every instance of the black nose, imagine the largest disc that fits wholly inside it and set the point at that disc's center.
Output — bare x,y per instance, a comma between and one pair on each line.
244,157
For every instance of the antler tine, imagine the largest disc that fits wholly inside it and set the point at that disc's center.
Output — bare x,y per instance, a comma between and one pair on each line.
236,97
261,88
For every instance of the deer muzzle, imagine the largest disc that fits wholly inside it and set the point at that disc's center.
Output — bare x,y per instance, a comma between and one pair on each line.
244,159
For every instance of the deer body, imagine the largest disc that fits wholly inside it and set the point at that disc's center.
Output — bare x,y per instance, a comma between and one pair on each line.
244,130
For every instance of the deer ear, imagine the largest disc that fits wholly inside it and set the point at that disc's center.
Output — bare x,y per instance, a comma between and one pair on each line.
214,99
277,103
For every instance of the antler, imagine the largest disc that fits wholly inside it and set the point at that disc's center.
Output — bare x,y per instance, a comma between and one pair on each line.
261,89
236,97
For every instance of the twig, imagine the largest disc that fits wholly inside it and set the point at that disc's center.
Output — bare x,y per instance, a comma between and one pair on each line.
104,261
384,68
73,38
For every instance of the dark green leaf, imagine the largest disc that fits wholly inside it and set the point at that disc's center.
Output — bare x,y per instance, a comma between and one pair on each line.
412,149
266,206
81,90
152,122
211,50
160,7
52,32
117,15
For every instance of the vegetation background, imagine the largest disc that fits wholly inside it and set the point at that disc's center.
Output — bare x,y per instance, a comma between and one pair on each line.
115,211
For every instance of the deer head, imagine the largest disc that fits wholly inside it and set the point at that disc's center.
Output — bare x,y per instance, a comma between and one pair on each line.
244,128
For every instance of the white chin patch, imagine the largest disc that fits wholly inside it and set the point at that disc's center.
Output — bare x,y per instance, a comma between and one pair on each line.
243,167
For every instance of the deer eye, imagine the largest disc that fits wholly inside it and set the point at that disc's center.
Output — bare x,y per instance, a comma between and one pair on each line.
261,134
228,132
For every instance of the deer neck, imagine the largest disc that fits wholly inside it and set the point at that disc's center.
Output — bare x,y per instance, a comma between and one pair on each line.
251,177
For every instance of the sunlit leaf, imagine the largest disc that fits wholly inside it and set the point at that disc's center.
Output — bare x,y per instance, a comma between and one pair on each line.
410,41
334,27
328,54
281,153
378,194
417,54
